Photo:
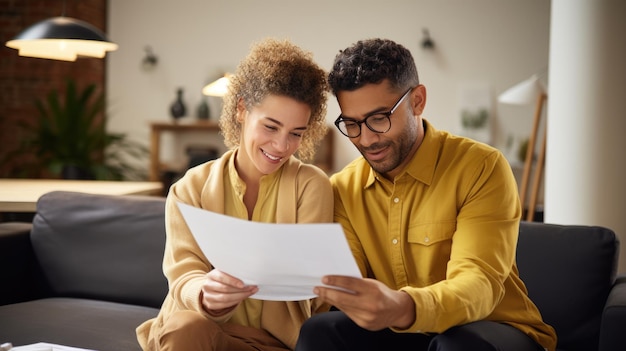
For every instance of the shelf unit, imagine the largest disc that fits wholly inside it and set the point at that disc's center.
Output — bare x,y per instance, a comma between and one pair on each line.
323,158
157,128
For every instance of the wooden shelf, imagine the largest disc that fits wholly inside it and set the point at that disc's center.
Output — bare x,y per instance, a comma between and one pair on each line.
156,128
323,158
197,125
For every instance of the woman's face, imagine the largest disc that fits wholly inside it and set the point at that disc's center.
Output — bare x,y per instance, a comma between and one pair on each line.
271,132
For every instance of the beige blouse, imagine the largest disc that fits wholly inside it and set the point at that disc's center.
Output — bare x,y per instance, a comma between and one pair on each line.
296,193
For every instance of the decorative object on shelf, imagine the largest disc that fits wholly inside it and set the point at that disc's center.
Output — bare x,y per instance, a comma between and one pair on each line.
199,154
203,111
62,38
524,93
178,109
217,88
523,149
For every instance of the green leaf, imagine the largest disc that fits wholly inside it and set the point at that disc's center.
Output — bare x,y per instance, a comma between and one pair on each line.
71,131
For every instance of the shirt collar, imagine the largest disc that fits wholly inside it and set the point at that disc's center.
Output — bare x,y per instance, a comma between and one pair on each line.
422,166
238,184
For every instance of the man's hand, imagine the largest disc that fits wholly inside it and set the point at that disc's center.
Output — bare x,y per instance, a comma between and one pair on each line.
371,305
222,292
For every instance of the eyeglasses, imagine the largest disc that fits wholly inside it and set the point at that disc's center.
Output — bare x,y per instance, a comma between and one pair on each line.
378,122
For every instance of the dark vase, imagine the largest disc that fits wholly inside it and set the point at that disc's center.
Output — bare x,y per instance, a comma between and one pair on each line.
178,109
203,111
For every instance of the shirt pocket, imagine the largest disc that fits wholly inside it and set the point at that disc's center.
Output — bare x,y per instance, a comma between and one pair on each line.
430,245
429,234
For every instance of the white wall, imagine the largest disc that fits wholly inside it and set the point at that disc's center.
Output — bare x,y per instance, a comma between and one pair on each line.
495,43
585,162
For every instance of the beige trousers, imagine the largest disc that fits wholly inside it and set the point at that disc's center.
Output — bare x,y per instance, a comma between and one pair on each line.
189,330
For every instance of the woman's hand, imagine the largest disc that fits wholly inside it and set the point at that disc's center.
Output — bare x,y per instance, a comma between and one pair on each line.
221,292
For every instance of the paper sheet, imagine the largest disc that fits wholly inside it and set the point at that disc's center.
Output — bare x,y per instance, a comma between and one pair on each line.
284,260
44,346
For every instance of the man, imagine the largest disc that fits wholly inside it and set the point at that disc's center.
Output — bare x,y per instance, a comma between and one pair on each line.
432,220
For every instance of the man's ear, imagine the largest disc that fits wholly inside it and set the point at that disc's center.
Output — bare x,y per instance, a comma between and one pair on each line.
419,99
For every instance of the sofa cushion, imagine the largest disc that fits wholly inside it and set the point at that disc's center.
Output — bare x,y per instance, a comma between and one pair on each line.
612,336
569,268
102,247
17,261
104,326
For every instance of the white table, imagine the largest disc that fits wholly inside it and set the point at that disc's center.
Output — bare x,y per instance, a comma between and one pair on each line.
21,195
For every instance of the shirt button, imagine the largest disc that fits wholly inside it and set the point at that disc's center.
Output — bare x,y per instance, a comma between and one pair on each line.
396,200
394,241
426,239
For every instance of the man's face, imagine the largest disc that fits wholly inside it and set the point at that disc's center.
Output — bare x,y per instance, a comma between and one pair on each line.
388,152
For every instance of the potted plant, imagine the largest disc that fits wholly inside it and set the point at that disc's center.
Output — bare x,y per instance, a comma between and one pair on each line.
69,139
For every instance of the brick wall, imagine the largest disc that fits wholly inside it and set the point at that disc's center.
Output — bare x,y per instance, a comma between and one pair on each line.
25,79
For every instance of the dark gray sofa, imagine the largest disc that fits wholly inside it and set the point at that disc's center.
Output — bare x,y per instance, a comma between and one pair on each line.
570,273
87,274
88,271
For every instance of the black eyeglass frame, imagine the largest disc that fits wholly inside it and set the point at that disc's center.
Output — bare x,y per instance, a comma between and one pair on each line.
364,120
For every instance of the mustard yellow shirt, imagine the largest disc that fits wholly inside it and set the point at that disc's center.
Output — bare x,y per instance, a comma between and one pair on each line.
296,193
444,231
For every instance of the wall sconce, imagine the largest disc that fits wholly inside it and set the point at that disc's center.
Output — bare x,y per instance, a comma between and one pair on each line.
219,87
427,42
150,60
62,38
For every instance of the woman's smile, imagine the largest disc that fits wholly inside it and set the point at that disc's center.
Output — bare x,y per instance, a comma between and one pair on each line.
271,157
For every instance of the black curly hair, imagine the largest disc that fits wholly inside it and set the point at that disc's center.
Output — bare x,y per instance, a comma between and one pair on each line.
371,61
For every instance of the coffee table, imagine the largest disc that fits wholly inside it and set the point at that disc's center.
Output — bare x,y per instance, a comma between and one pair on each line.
21,195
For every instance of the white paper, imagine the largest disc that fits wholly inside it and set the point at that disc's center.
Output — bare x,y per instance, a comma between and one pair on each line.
44,346
284,260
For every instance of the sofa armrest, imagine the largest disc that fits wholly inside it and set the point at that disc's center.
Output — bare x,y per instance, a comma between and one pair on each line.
19,270
612,336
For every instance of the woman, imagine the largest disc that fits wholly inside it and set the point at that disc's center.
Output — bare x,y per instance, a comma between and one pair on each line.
275,107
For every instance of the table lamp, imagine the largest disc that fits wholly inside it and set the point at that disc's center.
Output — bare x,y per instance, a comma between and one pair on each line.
524,93
218,87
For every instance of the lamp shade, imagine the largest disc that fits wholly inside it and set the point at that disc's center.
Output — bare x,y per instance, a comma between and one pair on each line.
62,38
218,87
523,93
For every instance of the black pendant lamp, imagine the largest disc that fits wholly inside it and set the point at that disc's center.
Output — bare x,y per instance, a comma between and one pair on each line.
62,38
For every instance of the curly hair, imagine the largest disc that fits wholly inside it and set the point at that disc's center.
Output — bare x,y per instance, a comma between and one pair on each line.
370,62
277,67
